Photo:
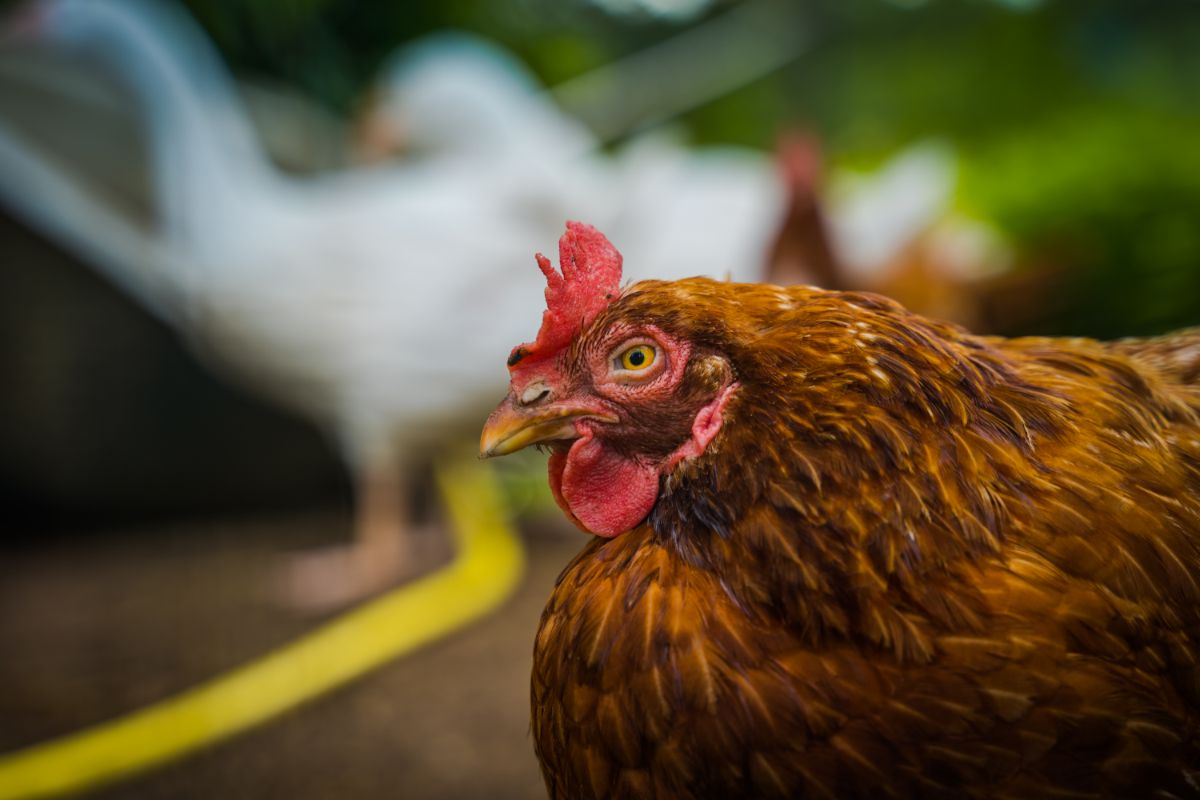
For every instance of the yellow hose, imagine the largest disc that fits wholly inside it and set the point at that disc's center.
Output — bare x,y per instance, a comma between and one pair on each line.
486,568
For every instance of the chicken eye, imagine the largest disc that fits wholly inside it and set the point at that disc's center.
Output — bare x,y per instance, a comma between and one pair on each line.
637,357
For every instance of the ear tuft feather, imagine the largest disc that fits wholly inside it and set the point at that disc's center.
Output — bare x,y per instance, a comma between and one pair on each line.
590,279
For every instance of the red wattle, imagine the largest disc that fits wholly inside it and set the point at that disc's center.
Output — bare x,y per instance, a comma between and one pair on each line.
607,494
600,491
555,466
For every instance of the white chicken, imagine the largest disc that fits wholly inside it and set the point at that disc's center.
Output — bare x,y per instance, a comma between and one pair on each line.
360,300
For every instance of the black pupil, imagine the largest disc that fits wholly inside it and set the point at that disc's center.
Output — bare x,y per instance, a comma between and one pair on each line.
637,358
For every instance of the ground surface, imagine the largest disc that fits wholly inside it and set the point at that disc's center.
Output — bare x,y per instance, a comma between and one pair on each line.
95,626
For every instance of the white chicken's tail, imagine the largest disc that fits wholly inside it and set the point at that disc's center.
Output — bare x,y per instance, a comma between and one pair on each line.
208,177
34,190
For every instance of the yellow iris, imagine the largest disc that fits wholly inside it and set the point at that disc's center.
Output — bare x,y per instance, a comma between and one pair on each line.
637,357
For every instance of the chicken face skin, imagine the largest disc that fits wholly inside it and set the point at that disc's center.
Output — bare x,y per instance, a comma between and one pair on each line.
616,428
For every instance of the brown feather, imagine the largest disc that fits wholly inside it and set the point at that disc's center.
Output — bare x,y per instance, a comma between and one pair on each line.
914,562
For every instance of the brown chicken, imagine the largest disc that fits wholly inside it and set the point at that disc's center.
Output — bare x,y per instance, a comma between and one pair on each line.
846,551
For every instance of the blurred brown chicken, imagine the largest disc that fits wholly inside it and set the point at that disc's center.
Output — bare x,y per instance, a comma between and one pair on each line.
846,551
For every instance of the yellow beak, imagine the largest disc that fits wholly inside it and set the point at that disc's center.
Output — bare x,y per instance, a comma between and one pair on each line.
511,428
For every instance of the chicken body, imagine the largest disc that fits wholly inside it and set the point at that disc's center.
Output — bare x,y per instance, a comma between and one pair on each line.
912,562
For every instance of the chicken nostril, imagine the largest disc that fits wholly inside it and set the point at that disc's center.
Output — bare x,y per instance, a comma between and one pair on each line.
535,394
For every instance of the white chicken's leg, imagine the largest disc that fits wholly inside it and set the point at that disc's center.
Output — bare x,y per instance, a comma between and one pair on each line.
381,553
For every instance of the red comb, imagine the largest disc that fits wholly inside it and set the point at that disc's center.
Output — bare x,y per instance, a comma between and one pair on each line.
798,154
590,280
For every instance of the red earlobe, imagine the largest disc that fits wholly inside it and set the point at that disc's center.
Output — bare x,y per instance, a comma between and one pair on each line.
705,427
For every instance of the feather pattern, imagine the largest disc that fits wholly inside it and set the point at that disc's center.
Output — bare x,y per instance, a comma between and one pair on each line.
913,563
